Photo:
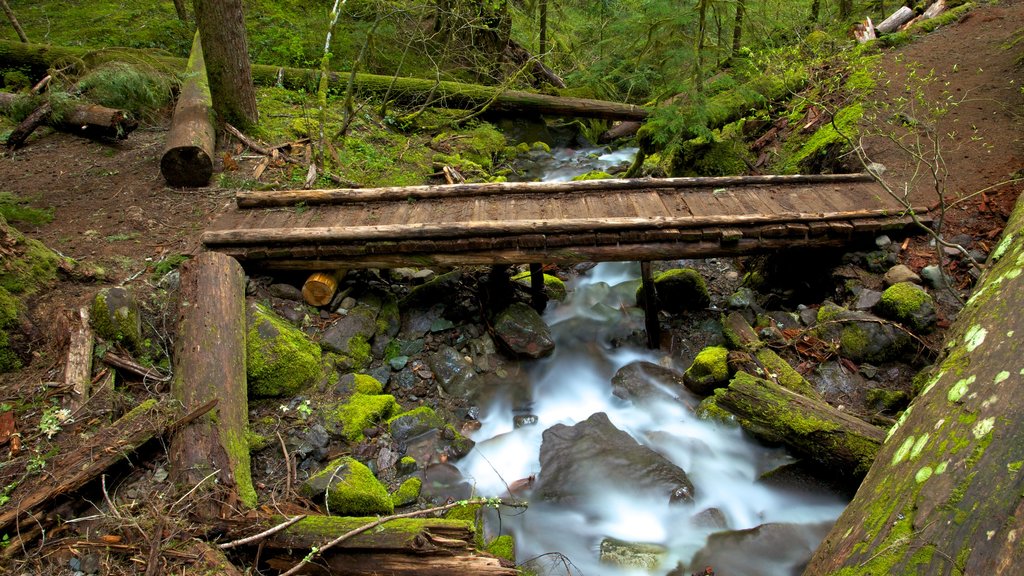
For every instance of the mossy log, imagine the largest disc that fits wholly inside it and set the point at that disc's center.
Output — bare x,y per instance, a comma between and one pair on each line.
946,494
209,363
87,120
188,156
405,91
843,445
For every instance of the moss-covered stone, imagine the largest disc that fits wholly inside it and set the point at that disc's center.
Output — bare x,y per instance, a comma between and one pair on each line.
115,317
593,175
27,265
350,489
407,493
280,359
909,304
366,384
363,411
407,465
678,290
709,370
830,140
780,371
256,442
414,422
503,547
554,288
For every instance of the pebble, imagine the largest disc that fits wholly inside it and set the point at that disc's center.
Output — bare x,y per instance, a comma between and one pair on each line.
883,241
900,273
867,299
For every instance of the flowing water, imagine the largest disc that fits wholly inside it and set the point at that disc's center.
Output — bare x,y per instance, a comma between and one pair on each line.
574,383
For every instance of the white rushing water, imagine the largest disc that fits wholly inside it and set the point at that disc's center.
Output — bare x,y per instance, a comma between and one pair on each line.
575,383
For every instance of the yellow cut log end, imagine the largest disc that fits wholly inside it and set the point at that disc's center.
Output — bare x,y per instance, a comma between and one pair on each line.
320,287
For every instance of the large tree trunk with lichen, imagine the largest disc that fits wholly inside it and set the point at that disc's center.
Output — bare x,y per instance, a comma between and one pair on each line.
209,363
226,48
946,494
188,156
843,445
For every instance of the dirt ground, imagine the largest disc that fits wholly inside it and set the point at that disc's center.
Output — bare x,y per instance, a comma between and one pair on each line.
113,211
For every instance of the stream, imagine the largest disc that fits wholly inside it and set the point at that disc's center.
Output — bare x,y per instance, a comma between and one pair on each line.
723,465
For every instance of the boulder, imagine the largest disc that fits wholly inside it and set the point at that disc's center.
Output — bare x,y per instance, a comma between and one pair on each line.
678,290
710,370
115,317
361,412
908,304
350,489
280,359
521,329
452,371
350,335
636,555
576,460
900,273
639,381
766,550
862,337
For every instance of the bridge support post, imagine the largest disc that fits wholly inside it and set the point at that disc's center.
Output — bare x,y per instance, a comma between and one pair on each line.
650,307
537,287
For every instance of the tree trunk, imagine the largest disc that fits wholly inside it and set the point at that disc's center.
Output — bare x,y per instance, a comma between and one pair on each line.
180,8
188,155
841,444
14,21
209,363
225,47
514,52
845,9
737,27
87,120
78,368
542,44
406,91
815,10
698,65
946,494
895,20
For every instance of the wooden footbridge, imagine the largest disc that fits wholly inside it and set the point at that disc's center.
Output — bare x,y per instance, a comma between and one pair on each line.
554,222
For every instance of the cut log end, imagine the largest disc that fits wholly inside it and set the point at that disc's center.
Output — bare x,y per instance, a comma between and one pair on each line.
186,166
320,287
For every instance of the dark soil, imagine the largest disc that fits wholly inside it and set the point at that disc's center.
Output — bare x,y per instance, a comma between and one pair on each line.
114,214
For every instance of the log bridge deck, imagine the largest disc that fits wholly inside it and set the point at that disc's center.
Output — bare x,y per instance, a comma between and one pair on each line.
554,222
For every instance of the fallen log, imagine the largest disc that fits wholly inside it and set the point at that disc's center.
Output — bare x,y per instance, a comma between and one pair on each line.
209,364
620,130
397,564
895,20
188,156
78,368
946,494
72,469
845,446
405,91
87,120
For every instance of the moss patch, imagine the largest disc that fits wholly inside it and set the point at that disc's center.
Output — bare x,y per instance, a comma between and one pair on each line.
709,370
280,359
407,493
350,489
554,288
908,303
8,319
366,384
784,374
679,289
363,411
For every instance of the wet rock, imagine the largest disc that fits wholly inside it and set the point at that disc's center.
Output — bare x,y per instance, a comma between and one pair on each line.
520,328
805,478
767,550
280,359
414,422
834,382
576,460
615,552
350,335
439,289
639,381
680,289
866,299
114,316
862,337
351,489
710,518
452,371
408,492
908,304
710,370
933,275
741,298
483,354
900,273
286,292
523,420
443,482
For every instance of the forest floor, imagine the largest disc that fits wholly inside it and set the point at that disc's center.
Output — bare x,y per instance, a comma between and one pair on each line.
113,211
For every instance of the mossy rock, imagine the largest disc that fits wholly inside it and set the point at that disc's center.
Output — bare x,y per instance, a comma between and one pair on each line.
826,144
709,370
782,373
503,547
414,422
364,411
9,360
115,317
407,465
408,493
351,489
593,175
862,337
366,384
554,288
439,289
27,265
280,358
908,304
678,290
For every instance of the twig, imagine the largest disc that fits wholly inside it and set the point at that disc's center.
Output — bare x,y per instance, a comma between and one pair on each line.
106,496
317,552
188,418
153,560
261,535
194,488
287,466
129,365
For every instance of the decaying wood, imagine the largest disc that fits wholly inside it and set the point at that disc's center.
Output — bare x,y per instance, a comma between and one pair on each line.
88,120
128,365
864,31
946,493
209,364
895,20
620,130
210,560
398,564
405,91
516,53
78,368
320,287
72,469
842,444
188,155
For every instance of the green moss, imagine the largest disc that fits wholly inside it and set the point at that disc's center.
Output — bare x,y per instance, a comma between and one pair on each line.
280,359
28,265
9,360
414,422
784,374
255,441
360,352
593,175
709,409
679,289
114,316
829,140
237,447
503,547
709,368
829,312
364,411
888,400
351,489
407,493
407,465
948,17
904,301
366,384
554,288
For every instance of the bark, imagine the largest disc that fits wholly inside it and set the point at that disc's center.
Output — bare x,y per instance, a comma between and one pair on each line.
542,43
895,20
181,10
88,120
221,24
407,565
78,368
14,21
946,494
188,155
404,91
841,444
737,26
72,469
209,363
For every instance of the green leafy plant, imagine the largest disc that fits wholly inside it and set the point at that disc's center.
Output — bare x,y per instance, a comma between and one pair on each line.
53,419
